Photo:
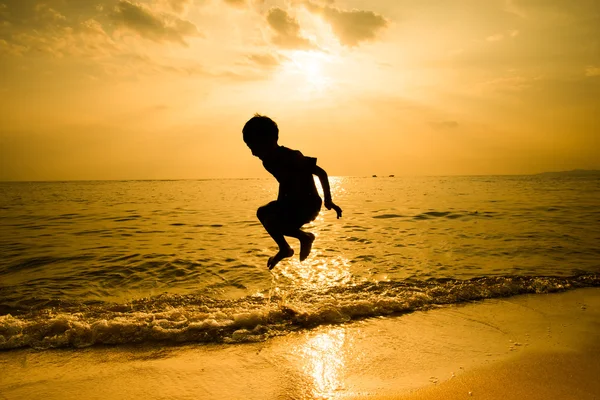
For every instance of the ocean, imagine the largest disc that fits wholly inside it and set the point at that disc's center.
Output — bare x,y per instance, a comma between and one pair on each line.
85,263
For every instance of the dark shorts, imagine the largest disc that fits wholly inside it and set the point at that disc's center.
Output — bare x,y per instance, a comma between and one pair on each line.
292,215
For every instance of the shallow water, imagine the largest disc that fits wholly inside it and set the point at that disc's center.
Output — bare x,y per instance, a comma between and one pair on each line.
134,261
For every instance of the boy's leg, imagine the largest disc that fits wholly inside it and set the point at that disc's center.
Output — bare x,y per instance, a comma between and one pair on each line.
270,217
302,215
306,240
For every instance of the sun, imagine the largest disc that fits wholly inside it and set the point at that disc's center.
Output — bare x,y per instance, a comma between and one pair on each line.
308,69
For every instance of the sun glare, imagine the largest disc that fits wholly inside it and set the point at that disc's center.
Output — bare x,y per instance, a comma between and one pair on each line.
308,70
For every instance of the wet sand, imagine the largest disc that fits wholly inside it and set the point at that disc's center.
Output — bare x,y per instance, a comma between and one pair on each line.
533,346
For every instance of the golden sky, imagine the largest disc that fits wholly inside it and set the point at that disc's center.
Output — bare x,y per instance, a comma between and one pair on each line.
160,89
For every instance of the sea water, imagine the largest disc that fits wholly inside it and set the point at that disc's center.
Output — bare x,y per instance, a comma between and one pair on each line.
118,262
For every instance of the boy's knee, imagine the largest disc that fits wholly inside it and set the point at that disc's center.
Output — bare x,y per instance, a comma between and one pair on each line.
267,212
262,213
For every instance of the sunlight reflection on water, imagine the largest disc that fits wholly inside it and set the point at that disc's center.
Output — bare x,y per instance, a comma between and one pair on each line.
336,185
324,362
320,270
317,272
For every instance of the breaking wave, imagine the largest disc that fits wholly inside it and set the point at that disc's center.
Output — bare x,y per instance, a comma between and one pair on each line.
175,319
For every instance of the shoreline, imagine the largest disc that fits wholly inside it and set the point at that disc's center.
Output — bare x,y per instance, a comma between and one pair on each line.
544,345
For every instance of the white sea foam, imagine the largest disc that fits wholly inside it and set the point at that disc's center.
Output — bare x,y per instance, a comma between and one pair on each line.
179,319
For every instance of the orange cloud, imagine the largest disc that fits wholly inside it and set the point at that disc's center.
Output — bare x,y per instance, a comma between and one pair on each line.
155,27
287,30
236,3
265,60
351,27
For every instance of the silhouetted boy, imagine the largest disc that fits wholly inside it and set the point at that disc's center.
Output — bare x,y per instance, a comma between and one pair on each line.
298,201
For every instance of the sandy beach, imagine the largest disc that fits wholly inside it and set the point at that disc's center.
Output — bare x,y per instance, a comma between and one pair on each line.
535,375
543,346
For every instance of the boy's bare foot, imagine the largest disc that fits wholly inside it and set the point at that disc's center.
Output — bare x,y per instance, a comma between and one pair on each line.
306,245
279,256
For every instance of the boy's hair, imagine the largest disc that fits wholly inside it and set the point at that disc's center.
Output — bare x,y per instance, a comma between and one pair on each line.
260,129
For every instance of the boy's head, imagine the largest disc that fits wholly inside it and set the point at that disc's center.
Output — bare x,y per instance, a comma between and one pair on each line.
261,134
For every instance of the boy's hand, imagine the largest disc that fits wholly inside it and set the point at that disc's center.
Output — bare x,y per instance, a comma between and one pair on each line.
330,204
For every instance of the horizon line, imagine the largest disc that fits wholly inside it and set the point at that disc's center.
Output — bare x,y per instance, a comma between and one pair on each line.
258,178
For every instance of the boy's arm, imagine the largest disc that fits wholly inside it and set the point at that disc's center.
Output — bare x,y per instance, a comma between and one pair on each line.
322,175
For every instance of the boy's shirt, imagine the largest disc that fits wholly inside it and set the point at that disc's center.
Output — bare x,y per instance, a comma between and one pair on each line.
294,172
